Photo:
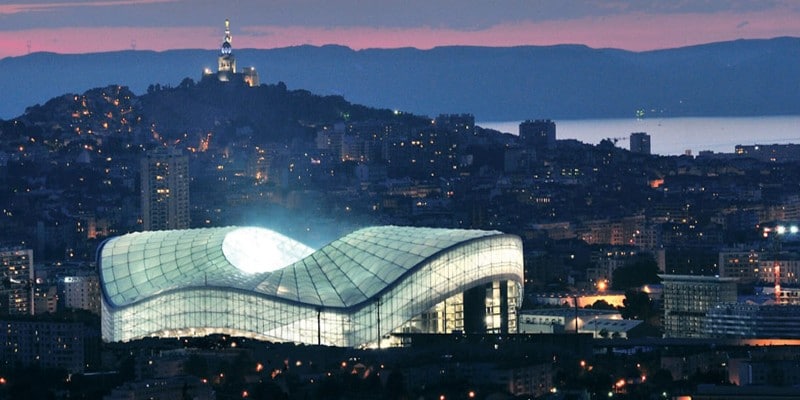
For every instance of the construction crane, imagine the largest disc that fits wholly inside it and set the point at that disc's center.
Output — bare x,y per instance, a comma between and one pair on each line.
616,139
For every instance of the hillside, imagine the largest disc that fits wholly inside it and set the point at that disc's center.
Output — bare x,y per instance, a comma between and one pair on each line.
264,114
739,78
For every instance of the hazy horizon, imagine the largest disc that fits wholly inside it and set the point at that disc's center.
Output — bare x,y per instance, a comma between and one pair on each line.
675,135
89,26
395,48
450,80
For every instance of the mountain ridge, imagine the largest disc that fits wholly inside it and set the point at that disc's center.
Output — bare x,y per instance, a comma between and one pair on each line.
746,77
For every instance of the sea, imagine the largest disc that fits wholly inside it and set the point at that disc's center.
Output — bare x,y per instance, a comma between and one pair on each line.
676,136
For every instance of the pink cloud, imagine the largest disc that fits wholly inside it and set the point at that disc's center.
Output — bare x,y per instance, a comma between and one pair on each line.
635,32
88,40
15,8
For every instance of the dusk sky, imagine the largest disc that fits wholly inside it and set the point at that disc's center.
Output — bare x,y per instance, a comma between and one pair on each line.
80,26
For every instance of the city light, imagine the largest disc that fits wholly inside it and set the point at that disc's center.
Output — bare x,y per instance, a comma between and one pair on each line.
781,230
93,181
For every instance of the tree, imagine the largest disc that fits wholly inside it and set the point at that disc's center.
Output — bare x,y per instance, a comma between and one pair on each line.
641,271
186,83
601,305
637,305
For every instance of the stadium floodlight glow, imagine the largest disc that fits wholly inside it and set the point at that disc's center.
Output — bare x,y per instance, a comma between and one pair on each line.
257,283
783,229
254,250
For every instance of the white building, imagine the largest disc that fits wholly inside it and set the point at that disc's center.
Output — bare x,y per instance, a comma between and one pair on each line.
354,291
81,291
563,319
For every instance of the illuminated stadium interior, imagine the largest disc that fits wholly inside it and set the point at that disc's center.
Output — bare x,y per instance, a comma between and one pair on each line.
354,291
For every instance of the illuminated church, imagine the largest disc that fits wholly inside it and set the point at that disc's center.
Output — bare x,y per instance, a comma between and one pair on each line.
226,64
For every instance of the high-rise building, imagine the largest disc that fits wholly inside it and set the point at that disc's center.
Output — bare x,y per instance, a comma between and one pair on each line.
16,271
165,190
640,143
687,299
81,290
539,134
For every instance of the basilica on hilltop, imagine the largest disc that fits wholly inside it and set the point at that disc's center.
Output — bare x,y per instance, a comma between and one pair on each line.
226,65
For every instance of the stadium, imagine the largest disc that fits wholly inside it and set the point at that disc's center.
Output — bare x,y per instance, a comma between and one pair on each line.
355,291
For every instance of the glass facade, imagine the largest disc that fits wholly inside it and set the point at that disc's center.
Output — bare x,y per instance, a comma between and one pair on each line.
351,292
688,298
498,310
737,320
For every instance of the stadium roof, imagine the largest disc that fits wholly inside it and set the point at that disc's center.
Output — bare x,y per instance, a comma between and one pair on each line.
343,274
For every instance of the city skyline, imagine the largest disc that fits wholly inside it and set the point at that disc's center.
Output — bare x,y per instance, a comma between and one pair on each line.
622,224
84,26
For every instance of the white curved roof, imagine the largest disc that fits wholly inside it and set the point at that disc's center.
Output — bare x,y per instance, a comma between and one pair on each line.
342,274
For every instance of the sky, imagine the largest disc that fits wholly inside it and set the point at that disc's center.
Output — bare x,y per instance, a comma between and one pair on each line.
84,26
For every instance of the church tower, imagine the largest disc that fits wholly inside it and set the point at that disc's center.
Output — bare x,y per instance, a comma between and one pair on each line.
227,61
226,65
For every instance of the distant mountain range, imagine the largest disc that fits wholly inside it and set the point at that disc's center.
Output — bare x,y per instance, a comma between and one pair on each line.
738,78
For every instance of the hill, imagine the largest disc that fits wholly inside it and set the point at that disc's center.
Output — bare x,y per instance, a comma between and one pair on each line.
191,111
738,78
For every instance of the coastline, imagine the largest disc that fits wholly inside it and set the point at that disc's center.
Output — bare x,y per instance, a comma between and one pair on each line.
674,136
